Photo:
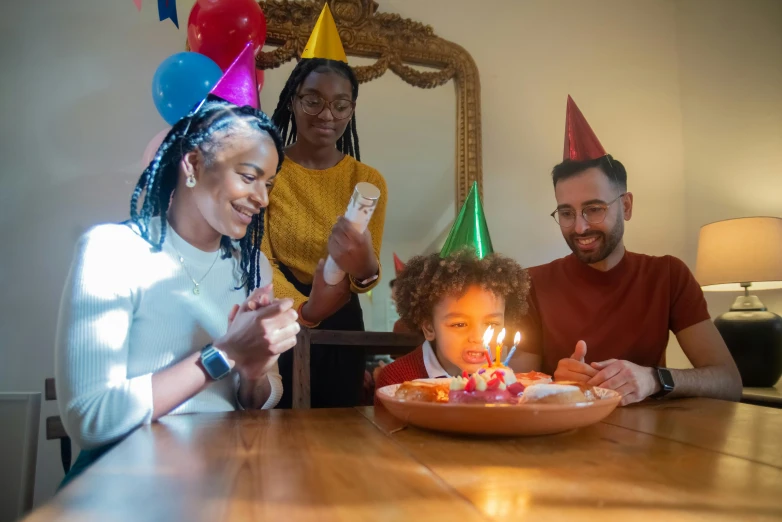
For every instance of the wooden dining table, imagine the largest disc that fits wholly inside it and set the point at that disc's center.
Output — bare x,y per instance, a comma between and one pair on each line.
689,459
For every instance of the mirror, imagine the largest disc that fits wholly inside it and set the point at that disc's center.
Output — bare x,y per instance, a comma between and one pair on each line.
408,135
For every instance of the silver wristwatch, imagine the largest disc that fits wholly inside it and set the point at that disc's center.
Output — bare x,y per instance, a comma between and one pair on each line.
215,362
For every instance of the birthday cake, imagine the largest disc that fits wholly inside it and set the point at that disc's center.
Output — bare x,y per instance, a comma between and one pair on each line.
486,386
497,385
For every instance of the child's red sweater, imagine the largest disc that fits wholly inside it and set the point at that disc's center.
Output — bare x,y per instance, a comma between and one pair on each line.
406,368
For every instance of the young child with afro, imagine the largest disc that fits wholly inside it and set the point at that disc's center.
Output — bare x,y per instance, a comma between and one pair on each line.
453,300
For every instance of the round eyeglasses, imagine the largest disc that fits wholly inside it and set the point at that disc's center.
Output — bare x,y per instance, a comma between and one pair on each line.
313,105
592,214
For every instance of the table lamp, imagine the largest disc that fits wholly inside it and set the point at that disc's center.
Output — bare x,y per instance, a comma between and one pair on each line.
746,253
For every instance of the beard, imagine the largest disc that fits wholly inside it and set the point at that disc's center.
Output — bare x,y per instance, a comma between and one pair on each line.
608,243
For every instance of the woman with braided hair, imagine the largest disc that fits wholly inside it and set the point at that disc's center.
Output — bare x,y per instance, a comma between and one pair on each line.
172,311
304,223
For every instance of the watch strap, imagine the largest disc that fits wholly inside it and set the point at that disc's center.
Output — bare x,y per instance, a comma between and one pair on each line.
367,281
365,285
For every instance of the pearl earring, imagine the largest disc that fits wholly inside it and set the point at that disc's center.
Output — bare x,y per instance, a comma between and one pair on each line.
190,181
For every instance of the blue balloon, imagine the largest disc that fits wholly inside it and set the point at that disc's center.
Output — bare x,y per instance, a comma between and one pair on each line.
181,82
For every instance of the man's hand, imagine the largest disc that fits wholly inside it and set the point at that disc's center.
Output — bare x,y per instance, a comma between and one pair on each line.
634,382
574,368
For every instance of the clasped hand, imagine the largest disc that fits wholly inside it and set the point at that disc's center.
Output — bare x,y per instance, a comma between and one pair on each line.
258,332
634,382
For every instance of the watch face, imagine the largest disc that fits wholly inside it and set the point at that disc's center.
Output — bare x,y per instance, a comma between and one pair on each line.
666,379
216,366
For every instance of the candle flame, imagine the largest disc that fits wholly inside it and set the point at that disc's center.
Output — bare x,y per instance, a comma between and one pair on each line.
516,338
501,337
488,334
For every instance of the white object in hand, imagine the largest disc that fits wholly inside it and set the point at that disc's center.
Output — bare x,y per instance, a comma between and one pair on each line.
360,209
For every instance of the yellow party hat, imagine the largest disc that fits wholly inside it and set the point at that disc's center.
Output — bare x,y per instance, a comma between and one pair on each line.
324,41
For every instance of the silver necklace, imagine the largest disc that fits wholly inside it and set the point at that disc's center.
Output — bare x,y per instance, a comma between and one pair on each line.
196,284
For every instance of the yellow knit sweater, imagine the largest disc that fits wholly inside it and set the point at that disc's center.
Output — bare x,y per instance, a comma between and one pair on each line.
303,207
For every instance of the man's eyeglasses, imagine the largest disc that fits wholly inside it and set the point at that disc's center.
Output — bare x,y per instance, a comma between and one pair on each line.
593,214
313,105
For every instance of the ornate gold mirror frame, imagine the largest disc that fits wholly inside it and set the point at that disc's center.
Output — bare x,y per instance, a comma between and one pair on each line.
395,42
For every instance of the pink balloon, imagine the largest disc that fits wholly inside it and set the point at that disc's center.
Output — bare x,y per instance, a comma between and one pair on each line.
153,146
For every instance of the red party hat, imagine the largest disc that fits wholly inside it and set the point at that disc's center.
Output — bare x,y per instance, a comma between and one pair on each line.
581,144
239,84
398,264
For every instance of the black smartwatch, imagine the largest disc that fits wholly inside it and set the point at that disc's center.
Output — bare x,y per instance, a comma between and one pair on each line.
666,383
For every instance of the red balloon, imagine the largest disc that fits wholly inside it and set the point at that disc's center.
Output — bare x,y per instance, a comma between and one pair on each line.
219,29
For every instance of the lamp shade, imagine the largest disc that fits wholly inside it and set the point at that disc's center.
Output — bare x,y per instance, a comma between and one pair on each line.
744,250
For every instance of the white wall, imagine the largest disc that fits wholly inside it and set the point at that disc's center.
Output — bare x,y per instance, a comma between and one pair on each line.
649,76
731,98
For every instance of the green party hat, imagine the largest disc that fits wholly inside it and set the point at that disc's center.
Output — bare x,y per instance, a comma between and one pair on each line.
470,228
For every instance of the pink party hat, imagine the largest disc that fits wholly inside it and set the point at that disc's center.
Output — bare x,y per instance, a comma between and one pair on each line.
238,84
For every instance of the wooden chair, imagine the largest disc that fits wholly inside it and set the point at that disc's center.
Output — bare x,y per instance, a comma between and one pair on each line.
54,428
19,416
370,343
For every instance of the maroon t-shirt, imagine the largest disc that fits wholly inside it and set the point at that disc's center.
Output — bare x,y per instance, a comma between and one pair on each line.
624,313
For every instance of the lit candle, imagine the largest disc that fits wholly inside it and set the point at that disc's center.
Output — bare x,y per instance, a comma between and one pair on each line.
487,335
516,340
500,338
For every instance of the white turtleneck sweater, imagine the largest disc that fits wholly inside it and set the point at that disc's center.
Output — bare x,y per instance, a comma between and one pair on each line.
128,312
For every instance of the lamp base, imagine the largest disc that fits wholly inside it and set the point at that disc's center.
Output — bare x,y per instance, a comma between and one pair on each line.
754,339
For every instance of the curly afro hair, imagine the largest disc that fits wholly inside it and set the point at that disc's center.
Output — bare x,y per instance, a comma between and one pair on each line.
426,280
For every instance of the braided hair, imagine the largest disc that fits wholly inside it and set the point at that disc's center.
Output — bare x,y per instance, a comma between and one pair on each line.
158,181
284,119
